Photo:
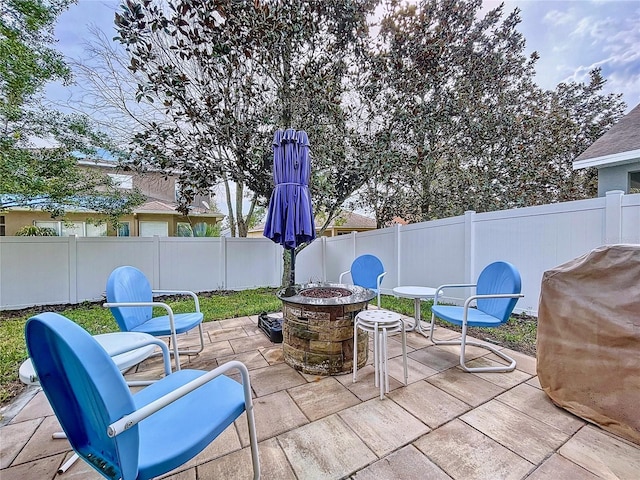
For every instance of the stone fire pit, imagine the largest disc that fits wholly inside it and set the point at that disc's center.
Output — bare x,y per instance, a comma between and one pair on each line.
318,327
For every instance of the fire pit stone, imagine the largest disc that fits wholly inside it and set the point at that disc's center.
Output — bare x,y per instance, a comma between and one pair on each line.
318,326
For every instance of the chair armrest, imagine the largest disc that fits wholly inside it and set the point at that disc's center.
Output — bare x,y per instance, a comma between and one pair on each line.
342,275
137,416
180,292
439,290
379,280
468,301
146,304
151,341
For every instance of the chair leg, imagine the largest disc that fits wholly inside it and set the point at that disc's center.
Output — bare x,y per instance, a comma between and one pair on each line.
404,353
376,356
463,342
355,350
195,352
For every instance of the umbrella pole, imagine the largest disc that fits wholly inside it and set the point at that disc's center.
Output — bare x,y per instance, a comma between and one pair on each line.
292,279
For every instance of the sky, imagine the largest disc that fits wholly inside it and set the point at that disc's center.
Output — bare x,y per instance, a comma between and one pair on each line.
571,36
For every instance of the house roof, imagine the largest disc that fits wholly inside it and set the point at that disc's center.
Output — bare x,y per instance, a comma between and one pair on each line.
153,205
619,145
345,220
352,220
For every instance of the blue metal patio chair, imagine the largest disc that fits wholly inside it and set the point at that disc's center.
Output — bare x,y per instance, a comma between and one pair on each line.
130,298
125,436
497,293
366,271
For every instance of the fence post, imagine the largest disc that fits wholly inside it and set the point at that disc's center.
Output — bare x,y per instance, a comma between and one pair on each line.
323,252
156,263
613,217
354,242
73,269
223,263
398,255
469,246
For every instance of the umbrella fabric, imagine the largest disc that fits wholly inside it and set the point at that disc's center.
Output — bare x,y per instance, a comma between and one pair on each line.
290,215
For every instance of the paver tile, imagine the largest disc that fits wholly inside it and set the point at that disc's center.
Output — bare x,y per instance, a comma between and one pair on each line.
227,334
14,437
79,470
37,407
524,363
238,465
603,454
528,437
534,382
407,463
431,405
383,425
322,398
535,403
184,475
274,378
469,388
557,467
34,470
364,388
466,454
272,355
235,322
416,371
325,449
502,379
252,359
41,444
274,414
249,343
435,358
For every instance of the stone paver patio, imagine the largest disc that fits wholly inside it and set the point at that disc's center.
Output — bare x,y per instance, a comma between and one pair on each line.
445,424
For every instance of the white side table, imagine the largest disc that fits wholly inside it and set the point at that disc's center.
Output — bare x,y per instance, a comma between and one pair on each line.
418,294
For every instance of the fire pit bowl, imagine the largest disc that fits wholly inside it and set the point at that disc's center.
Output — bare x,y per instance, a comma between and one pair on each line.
318,327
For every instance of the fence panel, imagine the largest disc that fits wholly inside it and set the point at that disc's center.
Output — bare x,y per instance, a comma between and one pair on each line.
251,262
58,270
536,239
631,219
97,257
432,253
34,271
189,263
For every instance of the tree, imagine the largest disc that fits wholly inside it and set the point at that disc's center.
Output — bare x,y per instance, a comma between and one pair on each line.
229,73
463,124
44,176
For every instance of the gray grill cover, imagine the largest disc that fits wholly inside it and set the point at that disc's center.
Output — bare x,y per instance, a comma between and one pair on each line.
588,343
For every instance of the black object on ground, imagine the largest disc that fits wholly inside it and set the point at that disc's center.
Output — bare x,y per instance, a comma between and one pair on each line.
271,326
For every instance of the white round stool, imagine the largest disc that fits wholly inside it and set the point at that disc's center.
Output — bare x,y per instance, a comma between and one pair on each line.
380,323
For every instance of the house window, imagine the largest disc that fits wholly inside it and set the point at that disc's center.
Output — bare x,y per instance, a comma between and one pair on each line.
55,226
2,226
123,229
79,229
96,230
122,181
634,182
73,228
149,229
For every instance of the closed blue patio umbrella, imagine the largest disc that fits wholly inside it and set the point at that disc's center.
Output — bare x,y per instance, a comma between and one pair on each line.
290,216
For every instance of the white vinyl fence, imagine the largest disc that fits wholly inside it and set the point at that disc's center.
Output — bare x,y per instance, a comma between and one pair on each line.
60,270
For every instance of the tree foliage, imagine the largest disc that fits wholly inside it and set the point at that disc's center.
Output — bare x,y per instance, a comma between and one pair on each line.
44,176
228,73
457,121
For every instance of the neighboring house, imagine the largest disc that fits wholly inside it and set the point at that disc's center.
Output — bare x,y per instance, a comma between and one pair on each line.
157,216
616,155
346,223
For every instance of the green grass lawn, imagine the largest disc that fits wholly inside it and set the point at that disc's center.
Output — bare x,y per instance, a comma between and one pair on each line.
519,333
